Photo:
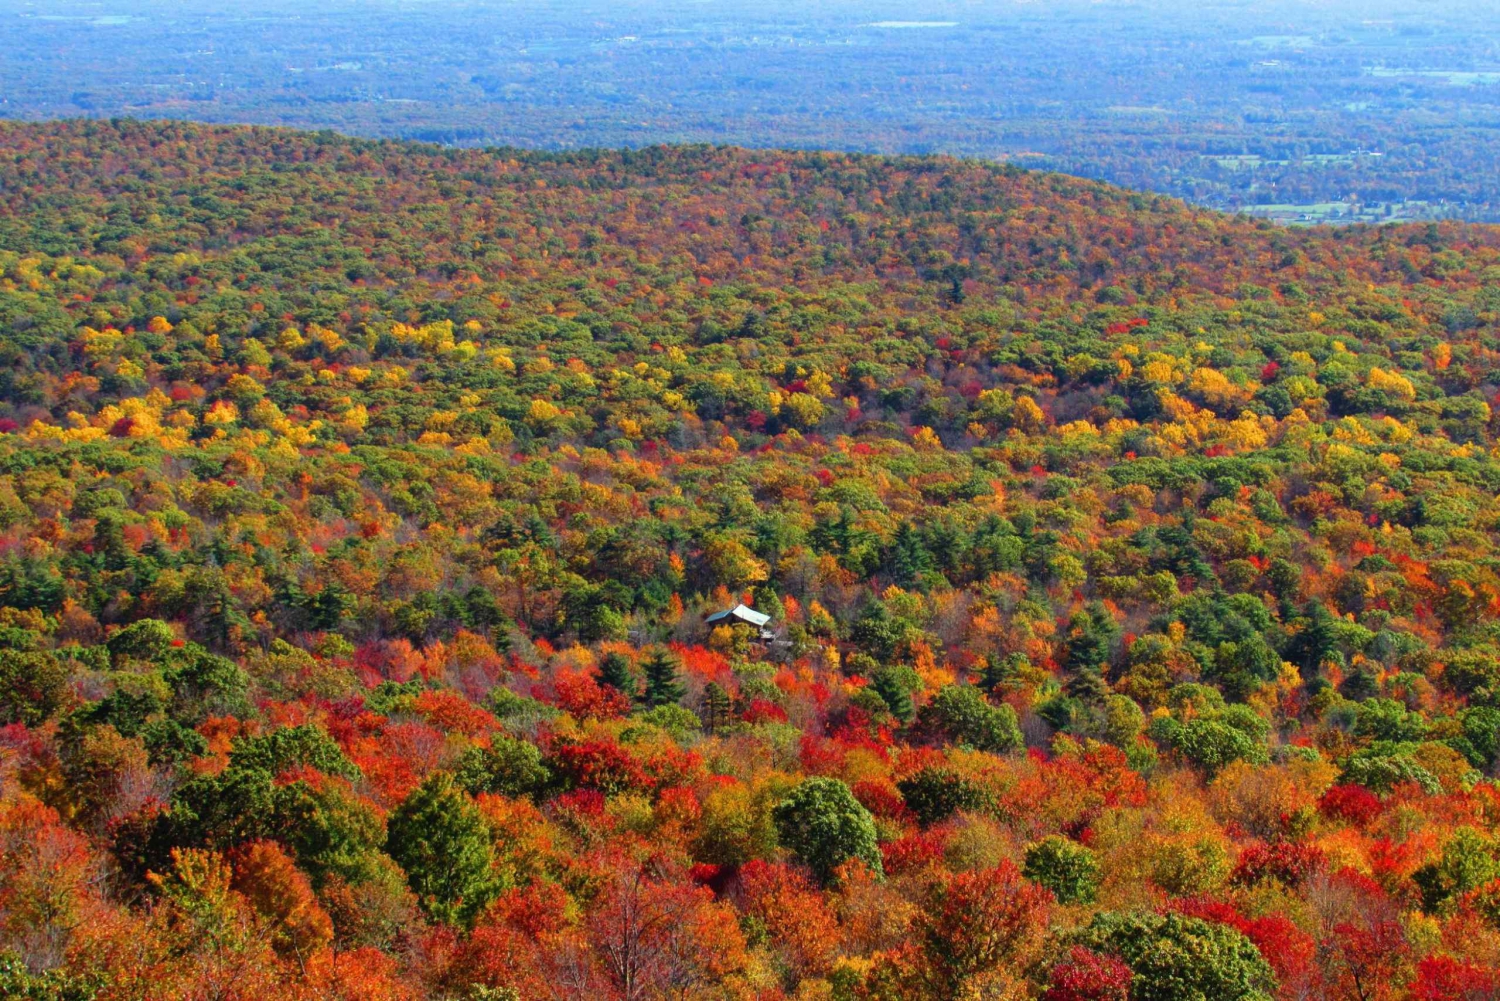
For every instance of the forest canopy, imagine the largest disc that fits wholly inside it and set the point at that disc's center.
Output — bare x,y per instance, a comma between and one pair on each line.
1131,570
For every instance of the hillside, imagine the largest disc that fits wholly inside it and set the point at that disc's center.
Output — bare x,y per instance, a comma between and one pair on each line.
1132,572
1376,110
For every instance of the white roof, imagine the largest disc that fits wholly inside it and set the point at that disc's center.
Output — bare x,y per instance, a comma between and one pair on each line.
743,613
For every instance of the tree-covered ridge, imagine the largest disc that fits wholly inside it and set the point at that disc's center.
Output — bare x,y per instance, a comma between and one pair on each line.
1132,569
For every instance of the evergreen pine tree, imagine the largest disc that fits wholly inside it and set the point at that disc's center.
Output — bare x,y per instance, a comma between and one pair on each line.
1088,686
614,671
438,836
663,687
1091,633
908,558
716,707
895,685
999,671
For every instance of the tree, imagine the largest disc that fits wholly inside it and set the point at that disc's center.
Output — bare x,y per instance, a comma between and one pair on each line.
282,895
305,746
1468,862
794,914
736,826
1086,976
205,684
976,925
47,878
1176,958
439,837
34,686
999,672
332,831
509,767
148,639
1317,641
1091,634
826,826
1209,743
731,563
907,559
935,794
103,770
715,707
614,671
1070,870
658,937
663,687
895,685
962,713
21,984
203,937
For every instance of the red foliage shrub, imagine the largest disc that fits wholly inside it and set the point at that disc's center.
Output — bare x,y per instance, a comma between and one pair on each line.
534,909
1350,803
581,696
598,764
450,711
1443,978
881,797
913,852
1291,862
1087,976
763,711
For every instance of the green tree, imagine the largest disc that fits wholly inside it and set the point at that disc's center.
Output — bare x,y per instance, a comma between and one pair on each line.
880,633
1070,870
964,715
205,684
614,671
1091,635
826,826
716,707
1387,719
1176,958
663,686
291,747
439,837
34,686
999,672
148,639
1208,743
332,831
1467,863
907,559
935,794
509,767
19,983
895,686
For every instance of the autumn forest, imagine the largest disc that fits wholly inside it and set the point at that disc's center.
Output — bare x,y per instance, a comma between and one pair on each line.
1120,581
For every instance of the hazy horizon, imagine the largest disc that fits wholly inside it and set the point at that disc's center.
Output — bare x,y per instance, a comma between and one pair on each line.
1275,106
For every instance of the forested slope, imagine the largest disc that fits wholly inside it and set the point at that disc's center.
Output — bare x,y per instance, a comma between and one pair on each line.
1132,568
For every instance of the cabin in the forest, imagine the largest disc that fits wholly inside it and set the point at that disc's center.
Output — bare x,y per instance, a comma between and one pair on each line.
745,615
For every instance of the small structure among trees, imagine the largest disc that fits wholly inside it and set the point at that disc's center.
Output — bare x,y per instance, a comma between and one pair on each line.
744,614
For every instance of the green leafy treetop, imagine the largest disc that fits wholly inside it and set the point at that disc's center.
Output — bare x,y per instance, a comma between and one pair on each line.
1070,870
438,836
826,826
1177,958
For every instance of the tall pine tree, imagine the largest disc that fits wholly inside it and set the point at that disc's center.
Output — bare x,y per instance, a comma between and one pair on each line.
614,671
663,687
908,559
715,708
1001,671
1091,635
